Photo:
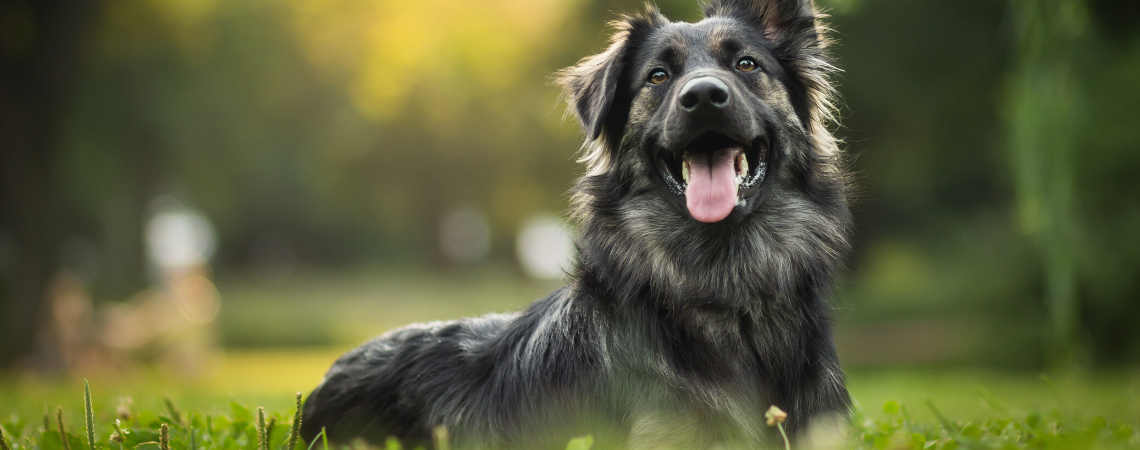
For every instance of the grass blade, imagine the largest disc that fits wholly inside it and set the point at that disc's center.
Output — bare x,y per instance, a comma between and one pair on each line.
62,431
4,442
89,414
949,427
295,432
262,442
269,431
319,435
174,414
210,429
164,437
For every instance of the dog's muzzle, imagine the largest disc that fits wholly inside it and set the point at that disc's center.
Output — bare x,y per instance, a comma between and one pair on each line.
713,148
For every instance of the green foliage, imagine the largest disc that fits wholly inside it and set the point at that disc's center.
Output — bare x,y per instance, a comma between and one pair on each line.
241,428
174,413
1031,430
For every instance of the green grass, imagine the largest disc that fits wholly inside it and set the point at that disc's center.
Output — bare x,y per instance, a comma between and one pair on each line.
332,312
943,409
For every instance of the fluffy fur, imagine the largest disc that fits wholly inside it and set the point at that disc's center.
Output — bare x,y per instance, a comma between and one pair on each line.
672,332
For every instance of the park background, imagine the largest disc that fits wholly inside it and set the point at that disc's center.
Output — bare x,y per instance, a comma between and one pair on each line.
212,199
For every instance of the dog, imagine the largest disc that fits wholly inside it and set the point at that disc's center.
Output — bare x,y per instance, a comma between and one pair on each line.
712,214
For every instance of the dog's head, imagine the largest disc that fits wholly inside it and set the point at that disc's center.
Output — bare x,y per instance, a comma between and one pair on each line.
710,166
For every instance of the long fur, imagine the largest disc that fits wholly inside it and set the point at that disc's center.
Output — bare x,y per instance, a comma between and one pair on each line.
670,332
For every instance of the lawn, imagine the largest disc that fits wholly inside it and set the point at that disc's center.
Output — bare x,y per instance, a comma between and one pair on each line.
896,408
898,405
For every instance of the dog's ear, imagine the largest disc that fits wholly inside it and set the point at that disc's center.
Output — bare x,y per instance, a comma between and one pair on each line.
779,19
591,86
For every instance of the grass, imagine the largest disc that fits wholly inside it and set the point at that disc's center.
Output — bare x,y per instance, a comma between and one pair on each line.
936,407
1021,412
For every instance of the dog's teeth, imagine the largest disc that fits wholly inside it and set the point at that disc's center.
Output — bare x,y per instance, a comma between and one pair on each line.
741,168
685,170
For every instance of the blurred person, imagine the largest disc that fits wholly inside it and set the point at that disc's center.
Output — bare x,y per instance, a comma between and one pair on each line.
70,339
172,323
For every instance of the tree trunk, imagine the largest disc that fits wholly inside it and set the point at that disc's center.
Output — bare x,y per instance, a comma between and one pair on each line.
40,58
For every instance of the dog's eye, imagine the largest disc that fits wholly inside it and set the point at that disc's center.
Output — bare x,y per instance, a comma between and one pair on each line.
658,76
746,64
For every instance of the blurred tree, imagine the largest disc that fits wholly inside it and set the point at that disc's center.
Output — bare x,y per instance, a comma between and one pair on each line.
40,62
1043,115
342,131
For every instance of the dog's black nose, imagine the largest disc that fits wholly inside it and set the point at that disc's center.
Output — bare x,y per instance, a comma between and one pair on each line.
704,93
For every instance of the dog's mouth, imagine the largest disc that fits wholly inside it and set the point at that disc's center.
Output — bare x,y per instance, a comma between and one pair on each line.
712,173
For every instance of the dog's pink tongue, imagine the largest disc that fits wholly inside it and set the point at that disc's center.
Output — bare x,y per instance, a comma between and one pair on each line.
711,193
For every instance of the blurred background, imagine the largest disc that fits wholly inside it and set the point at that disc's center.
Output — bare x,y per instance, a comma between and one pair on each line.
222,196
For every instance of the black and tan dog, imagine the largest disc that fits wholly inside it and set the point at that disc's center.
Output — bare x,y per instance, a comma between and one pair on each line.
712,214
